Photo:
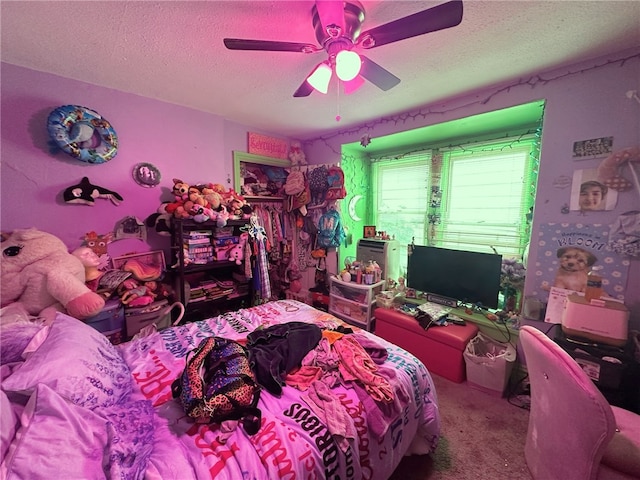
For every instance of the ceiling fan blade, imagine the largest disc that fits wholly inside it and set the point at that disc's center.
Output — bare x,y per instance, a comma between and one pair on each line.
433,19
304,90
269,45
380,77
331,12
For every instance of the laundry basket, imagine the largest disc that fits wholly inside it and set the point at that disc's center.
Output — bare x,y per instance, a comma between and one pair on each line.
489,364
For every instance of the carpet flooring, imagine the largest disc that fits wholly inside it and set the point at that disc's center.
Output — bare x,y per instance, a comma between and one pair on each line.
482,438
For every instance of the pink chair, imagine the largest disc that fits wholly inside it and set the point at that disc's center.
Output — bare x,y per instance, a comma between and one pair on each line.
574,434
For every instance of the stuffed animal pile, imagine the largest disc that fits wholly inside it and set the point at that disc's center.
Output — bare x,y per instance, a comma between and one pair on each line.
37,271
201,202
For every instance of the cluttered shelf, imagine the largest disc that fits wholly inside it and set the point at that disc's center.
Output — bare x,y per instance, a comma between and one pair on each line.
212,265
208,273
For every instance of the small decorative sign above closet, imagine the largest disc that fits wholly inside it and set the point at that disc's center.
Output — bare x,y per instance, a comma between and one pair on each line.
268,146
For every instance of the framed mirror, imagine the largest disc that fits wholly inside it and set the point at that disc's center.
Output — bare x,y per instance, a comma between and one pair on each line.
258,177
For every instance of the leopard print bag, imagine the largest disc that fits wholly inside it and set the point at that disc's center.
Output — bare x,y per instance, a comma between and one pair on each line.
217,384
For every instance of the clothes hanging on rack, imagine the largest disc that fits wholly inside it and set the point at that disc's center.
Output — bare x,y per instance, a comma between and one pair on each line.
260,249
262,267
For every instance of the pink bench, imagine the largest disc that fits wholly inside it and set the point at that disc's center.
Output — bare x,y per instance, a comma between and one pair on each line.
439,348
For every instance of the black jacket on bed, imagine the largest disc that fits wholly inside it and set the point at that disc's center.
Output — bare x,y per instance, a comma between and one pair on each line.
275,351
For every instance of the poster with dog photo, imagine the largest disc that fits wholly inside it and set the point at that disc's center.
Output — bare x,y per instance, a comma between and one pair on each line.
567,252
588,194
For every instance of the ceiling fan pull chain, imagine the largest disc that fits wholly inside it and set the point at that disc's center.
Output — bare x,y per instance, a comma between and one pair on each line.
338,117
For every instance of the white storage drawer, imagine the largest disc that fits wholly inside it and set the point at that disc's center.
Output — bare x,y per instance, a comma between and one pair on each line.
353,302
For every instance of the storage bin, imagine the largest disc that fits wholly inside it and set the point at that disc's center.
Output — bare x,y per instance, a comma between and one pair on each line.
353,310
489,364
353,294
385,299
221,253
158,313
439,348
226,241
110,321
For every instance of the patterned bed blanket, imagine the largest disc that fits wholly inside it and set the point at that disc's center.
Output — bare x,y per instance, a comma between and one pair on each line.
140,431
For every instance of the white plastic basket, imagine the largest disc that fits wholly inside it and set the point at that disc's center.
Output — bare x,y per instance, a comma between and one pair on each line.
489,364
384,299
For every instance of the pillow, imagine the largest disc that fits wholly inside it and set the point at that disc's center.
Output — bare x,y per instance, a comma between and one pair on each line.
14,339
8,422
17,328
58,439
77,362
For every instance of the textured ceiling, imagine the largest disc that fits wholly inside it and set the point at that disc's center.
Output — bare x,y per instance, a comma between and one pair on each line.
173,51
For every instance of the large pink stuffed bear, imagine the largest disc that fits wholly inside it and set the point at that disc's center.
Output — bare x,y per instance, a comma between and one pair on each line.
38,271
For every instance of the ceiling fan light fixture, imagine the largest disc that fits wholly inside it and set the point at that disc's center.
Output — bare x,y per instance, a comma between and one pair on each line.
320,78
353,85
348,64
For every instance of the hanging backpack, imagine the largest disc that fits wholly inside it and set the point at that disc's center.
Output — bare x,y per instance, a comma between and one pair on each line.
217,384
330,231
297,190
318,184
335,180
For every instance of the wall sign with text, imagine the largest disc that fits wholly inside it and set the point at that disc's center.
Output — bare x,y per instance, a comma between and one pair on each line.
268,146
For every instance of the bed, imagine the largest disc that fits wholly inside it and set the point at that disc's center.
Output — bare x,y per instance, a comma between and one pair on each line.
75,406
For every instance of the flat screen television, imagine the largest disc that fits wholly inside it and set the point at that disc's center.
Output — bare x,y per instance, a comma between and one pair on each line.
468,277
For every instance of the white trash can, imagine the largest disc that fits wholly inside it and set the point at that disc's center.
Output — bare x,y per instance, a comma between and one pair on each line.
489,364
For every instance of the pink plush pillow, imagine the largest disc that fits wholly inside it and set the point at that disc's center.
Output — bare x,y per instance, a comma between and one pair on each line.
78,363
14,339
17,328
8,423
58,439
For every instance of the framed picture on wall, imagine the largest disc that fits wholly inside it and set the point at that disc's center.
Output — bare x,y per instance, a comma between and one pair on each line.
588,194
369,231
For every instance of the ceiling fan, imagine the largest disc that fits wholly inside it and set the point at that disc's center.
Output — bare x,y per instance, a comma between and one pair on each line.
337,25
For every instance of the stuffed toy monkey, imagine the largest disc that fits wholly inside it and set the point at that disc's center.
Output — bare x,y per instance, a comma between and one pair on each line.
37,270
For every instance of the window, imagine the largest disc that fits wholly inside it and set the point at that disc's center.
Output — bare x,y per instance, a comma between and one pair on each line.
401,193
473,197
487,197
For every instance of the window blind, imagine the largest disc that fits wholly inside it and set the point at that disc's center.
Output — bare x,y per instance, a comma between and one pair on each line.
485,198
485,192
401,196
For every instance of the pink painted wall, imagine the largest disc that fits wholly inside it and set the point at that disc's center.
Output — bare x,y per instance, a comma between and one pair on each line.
184,143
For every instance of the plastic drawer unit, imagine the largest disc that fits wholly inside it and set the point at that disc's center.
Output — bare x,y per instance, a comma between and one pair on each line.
354,302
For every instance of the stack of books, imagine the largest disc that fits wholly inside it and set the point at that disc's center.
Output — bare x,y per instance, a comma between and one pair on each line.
241,284
197,247
212,289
